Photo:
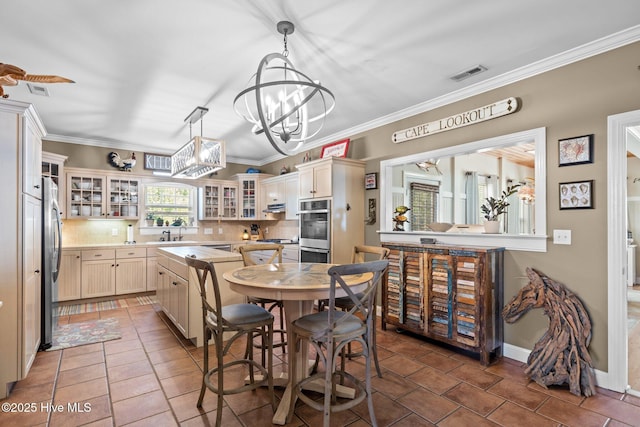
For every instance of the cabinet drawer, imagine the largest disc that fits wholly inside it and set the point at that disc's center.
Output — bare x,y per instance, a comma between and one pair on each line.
152,252
179,268
98,254
290,254
131,253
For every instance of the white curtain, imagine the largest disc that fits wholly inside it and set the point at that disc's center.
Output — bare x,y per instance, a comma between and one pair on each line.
473,204
492,186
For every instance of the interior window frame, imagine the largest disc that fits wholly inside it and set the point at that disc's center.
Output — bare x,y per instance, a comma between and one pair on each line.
536,242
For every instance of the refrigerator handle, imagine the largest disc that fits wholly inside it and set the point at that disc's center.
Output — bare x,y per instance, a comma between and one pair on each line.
58,248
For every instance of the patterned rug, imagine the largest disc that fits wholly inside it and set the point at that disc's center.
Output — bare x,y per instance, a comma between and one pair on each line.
93,331
65,310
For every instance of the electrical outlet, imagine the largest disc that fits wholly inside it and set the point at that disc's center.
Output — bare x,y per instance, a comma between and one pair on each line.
114,231
266,230
219,230
208,231
561,237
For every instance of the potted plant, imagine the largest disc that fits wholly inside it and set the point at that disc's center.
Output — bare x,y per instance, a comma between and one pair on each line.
159,221
492,208
150,220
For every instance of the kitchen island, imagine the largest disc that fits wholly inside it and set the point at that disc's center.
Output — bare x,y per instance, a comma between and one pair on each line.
178,292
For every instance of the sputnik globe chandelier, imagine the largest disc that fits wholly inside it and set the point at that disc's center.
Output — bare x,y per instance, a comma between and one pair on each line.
283,102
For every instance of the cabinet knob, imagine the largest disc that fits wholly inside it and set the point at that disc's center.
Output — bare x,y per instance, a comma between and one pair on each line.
36,186
175,283
37,271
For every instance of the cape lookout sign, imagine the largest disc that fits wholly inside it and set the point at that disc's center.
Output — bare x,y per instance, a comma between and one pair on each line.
471,117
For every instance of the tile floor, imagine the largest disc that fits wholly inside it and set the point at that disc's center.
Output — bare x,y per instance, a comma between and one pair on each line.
151,378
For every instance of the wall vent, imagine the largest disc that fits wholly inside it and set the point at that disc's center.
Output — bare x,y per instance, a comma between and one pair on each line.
468,73
38,90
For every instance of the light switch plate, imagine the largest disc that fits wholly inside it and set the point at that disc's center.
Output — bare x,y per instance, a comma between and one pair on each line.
561,237
208,231
114,231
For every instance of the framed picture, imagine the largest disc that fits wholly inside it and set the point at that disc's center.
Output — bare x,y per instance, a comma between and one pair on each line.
371,181
335,149
576,195
575,151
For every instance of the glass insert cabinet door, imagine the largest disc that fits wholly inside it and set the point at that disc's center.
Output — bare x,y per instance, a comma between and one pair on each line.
123,198
86,196
248,202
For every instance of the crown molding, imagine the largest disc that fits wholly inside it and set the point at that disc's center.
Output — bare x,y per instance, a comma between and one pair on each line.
596,47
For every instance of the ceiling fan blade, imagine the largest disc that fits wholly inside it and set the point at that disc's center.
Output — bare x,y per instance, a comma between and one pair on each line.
38,78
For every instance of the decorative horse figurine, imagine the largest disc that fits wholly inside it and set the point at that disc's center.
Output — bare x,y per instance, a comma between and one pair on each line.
561,356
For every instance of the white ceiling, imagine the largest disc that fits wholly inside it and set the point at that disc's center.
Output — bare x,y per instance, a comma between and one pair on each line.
142,66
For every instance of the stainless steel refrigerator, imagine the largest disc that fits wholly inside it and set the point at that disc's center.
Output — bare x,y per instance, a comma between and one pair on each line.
51,256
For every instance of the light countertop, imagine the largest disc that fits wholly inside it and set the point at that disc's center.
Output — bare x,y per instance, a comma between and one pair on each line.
201,253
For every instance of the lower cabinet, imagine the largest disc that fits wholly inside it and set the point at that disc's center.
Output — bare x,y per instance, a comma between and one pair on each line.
131,270
173,292
98,273
450,294
69,279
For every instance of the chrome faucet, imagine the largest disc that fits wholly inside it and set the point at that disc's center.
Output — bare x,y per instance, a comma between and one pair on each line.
168,233
180,231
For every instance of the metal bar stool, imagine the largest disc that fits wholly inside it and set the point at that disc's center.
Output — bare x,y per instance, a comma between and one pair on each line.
240,320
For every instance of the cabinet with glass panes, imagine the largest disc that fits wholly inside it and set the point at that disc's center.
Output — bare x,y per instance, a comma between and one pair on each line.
53,167
123,198
218,200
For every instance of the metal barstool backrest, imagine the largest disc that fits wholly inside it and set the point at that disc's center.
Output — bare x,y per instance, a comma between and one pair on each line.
362,301
246,250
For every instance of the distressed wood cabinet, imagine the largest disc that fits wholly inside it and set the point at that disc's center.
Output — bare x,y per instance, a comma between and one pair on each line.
447,293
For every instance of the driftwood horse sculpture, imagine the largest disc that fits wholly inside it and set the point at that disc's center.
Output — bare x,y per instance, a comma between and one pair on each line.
561,356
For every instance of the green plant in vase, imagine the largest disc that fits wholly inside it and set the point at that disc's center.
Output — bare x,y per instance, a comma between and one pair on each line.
493,208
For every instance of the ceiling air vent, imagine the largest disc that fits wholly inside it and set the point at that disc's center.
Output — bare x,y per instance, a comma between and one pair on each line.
38,90
468,73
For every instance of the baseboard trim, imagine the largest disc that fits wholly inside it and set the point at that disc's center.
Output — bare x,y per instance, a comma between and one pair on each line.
522,354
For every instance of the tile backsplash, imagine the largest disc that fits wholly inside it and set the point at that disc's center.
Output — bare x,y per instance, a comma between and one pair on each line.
87,232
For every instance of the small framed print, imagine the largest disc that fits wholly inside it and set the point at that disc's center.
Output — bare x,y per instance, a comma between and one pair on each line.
576,195
575,151
371,181
335,149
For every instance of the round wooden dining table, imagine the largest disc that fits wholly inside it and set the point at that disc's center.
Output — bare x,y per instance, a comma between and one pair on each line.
297,286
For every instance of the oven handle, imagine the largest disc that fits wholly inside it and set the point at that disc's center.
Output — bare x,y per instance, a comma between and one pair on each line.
315,211
318,251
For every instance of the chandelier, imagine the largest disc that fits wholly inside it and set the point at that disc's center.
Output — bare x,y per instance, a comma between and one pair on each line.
283,102
200,156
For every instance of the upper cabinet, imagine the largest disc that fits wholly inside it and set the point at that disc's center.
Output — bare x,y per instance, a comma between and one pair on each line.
32,158
91,195
218,200
53,167
281,189
317,177
249,194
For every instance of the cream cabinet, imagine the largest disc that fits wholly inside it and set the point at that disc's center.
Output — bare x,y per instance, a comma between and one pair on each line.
53,167
98,273
152,273
173,292
316,179
131,270
69,279
218,201
281,189
91,195
249,194
21,134
31,295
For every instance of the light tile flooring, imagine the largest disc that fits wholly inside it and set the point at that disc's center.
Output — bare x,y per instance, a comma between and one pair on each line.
152,378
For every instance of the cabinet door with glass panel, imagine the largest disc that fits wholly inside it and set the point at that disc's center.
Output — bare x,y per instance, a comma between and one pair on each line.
86,195
123,198
218,201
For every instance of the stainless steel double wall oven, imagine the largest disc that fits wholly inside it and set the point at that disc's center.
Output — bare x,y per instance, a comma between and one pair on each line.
315,231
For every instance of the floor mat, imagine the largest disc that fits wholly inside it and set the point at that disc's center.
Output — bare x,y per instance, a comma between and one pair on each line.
89,307
93,331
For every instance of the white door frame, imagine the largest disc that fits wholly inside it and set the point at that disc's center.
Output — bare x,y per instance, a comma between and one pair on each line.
618,369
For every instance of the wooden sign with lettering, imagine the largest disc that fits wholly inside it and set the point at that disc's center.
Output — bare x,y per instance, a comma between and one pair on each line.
477,115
